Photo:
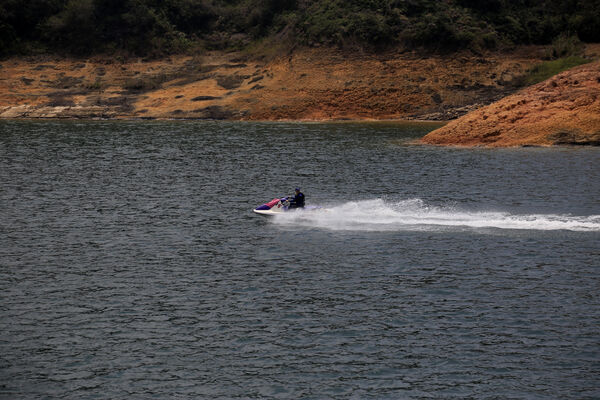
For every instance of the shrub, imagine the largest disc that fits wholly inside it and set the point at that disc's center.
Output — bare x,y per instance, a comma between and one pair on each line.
74,28
564,46
547,69
154,28
489,40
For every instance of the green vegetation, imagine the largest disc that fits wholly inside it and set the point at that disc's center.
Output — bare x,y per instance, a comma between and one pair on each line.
547,69
564,53
159,27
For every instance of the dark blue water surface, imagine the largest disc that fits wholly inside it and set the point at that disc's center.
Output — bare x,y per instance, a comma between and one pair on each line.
132,266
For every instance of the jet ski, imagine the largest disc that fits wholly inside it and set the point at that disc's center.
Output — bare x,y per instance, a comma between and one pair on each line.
274,207
279,206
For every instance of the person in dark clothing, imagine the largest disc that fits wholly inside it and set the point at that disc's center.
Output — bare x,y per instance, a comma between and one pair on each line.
298,200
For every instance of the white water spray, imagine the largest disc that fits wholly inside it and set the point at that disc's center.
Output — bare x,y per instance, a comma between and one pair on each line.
415,215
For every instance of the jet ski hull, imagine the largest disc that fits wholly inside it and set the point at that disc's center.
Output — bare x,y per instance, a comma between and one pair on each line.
280,206
268,212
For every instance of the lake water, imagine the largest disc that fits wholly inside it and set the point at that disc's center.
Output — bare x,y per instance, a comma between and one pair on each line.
132,266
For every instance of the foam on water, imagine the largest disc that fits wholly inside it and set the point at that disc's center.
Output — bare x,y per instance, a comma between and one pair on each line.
415,214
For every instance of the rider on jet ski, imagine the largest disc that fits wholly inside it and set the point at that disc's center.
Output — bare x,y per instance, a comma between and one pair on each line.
298,200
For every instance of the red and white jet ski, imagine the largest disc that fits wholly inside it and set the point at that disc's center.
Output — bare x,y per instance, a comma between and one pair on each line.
279,206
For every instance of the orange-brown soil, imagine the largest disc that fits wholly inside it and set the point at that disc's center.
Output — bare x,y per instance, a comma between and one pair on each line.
564,109
308,84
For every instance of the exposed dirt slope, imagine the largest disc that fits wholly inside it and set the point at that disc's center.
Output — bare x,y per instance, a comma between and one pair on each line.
564,109
310,84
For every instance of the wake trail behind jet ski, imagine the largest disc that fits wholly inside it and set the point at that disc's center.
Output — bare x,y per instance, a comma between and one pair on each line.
415,214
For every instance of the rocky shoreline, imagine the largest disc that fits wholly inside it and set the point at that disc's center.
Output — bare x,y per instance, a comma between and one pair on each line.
563,110
319,85
309,84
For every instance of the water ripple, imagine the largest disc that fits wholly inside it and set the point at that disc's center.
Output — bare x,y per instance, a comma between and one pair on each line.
131,265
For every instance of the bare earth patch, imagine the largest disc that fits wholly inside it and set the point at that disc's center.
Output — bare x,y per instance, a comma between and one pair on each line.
564,109
309,84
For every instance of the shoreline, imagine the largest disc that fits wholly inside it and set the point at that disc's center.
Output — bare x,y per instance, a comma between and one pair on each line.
306,85
416,142
311,85
562,110
266,121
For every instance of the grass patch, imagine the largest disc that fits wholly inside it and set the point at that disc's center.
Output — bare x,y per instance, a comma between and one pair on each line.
145,83
547,69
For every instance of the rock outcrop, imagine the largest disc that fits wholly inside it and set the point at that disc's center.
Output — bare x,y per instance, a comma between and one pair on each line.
564,109
308,84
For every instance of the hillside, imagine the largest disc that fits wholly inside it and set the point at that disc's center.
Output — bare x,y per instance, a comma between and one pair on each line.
564,109
158,28
308,84
278,59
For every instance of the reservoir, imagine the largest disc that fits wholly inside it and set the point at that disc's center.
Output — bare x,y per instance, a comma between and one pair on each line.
132,265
